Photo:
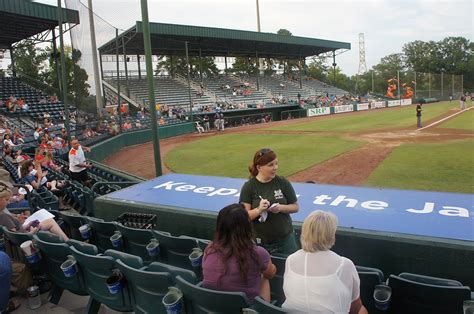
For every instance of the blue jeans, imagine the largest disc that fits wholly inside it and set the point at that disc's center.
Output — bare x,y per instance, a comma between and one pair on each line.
5,280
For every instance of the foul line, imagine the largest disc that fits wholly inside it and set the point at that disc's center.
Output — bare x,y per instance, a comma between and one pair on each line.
439,121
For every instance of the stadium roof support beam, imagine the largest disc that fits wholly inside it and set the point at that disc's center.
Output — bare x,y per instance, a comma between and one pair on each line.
22,19
168,39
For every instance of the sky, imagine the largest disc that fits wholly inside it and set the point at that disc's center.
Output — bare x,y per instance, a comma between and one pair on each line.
387,25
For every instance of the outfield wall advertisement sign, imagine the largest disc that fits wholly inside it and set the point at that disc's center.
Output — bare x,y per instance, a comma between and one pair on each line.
432,214
362,107
343,108
405,102
378,104
393,103
319,111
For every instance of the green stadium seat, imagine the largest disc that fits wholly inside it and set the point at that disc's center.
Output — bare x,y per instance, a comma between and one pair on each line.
55,252
16,239
276,283
175,250
147,287
201,300
72,223
96,270
419,294
369,278
264,307
135,242
186,274
101,233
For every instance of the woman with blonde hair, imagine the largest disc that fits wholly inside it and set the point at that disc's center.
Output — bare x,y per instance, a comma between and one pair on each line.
316,279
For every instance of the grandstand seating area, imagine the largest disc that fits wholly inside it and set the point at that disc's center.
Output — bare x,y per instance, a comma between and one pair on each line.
249,93
168,90
278,85
228,89
10,86
322,88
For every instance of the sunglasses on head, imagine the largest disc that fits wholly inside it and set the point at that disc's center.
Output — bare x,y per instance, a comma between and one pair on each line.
264,151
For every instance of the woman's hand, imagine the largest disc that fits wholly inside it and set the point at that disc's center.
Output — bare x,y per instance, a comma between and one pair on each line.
275,208
263,205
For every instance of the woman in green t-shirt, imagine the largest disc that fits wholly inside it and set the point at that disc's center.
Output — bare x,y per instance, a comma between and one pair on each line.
269,200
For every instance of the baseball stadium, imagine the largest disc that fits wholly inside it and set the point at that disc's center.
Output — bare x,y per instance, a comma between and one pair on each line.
175,168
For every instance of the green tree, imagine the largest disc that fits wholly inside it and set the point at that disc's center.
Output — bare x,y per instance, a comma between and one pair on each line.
452,55
29,62
77,86
177,65
288,66
387,69
243,65
318,69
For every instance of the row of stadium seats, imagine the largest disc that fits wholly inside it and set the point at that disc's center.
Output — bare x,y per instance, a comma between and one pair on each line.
143,286
411,293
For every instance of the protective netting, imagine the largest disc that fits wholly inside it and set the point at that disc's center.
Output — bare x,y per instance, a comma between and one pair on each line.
410,84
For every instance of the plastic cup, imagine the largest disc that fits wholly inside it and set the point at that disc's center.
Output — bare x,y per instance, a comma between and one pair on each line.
468,307
196,257
382,296
85,231
173,301
28,248
114,283
34,299
116,240
69,267
153,248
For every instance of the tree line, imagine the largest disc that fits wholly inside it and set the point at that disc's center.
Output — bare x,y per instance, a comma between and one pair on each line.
452,55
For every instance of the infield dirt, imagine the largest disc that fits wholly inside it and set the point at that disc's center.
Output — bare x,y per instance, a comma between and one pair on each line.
350,168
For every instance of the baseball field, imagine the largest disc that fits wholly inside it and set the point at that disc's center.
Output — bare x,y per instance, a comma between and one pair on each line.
379,148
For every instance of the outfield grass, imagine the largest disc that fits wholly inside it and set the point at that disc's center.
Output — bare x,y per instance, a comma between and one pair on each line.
373,119
447,167
463,121
230,155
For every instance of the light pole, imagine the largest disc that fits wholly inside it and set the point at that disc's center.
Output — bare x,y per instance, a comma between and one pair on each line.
151,88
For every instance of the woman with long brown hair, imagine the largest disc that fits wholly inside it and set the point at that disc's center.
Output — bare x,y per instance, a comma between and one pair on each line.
270,199
232,261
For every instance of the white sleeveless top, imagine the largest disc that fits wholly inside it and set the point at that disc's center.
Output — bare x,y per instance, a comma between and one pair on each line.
320,282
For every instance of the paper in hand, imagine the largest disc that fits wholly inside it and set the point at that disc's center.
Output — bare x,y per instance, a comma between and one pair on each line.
40,215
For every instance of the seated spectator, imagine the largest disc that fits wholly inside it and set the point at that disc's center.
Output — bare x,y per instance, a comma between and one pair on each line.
13,224
37,134
18,136
162,121
8,153
48,124
32,174
232,261
138,125
7,140
114,129
127,125
316,279
22,104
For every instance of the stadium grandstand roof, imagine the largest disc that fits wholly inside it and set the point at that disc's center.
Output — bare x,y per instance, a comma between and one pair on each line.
168,39
21,19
